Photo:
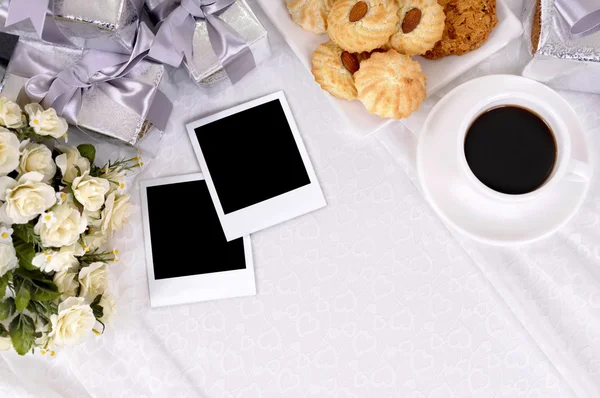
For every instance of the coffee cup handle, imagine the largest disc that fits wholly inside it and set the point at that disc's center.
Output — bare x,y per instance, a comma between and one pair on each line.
579,171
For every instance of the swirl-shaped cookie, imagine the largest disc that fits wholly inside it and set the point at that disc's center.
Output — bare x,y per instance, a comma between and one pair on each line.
310,14
362,25
390,84
420,26
333,69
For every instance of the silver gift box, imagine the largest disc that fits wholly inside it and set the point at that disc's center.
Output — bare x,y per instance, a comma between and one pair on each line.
88,23
205,67
99,113
560,60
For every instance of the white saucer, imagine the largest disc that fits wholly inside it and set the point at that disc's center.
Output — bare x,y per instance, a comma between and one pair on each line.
471,212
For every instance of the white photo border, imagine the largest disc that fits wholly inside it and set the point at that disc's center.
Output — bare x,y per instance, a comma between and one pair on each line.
272,211
193,288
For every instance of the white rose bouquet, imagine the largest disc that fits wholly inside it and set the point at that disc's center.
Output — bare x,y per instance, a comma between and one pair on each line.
57,211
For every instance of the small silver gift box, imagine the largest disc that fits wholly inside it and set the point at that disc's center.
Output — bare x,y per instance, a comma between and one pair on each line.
560,60
102,24
99,113
205,67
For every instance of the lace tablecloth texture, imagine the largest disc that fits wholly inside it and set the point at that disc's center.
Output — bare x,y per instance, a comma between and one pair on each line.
369,297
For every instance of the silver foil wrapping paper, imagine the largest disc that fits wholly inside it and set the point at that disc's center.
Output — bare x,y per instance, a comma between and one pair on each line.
99,113
87,23
205,68
560,60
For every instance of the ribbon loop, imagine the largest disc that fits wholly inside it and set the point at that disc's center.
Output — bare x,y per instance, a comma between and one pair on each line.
582,16
63,88
176,31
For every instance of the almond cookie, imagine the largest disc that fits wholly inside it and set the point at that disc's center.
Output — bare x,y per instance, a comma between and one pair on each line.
468,26
420,26
333,69
390,84
310,14
362,25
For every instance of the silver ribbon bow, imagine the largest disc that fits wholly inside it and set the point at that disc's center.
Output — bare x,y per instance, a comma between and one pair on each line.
63,88
582,16
176,31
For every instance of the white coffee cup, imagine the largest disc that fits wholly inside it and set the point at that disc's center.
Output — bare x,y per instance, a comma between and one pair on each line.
565,167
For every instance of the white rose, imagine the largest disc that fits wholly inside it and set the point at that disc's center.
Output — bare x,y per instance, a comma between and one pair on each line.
9,151
66,281
64,230
36,157
5,343
10,114
116,212
46,122
26,198
108,308
8,257
74,321
93,280
69,161
94,238
90,191
58,261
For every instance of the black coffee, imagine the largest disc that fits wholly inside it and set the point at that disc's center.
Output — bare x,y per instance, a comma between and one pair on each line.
511,150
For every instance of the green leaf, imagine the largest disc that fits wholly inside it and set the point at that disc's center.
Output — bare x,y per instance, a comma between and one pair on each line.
4,283
46,293
22,297
87,151
25,254
7,308
3,331
26,233
22,333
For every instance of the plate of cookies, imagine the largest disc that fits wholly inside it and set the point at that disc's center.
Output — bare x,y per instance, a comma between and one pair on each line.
380,59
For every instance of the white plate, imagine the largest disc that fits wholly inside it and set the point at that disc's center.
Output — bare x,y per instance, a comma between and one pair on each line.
470,211
439,72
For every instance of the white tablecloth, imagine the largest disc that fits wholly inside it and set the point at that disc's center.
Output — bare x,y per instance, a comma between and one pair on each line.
369,297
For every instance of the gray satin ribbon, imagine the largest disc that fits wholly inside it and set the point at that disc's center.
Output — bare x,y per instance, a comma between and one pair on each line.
63,88
39,12
582,16
176,31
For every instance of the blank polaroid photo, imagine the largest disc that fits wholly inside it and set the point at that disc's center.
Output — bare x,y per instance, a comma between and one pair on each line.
187,255
256,166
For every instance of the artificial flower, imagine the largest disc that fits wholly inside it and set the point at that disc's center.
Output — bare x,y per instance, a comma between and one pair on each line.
67,282
46,122
5,234
37,157
26,198
5,343
10,114
71,163
8,258
9,151
108,308
58,260
94,238
65,231
93,280
117,210
74,321
90,191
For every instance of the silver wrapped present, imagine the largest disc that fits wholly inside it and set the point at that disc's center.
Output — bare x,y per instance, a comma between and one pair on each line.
205,67
99,113
565,55
102,24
